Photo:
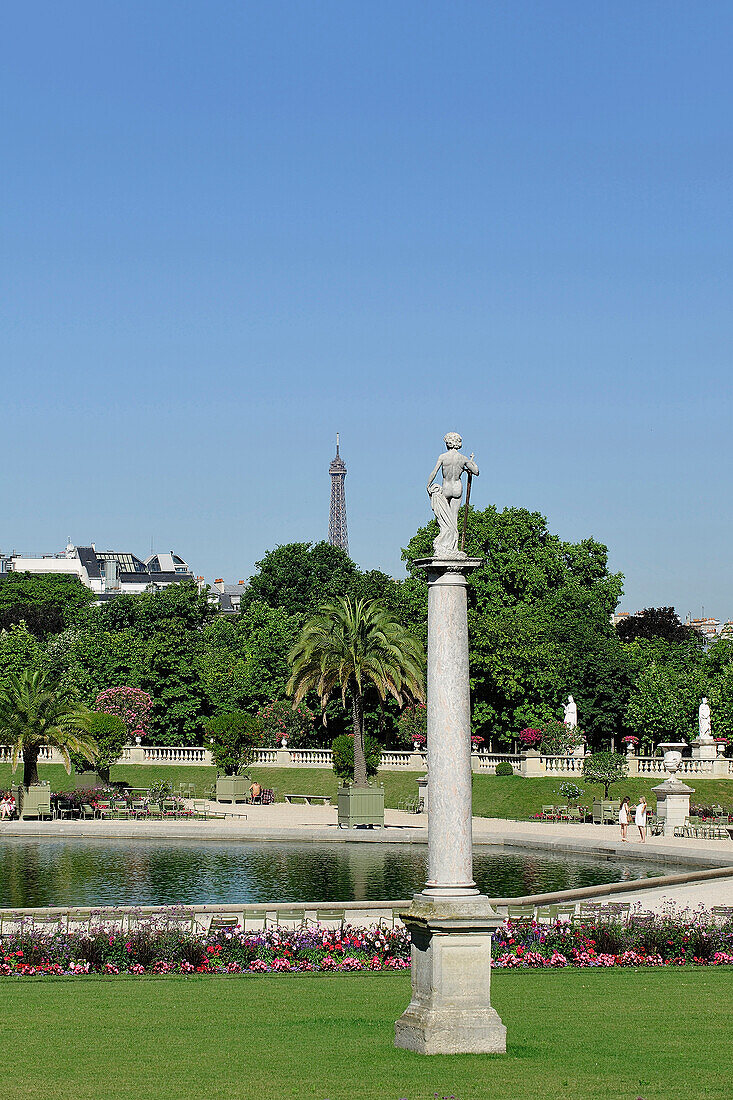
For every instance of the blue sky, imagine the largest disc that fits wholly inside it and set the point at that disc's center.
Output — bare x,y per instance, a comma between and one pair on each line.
231,229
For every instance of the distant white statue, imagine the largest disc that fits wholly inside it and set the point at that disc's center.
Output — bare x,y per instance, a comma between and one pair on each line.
704,723
571,713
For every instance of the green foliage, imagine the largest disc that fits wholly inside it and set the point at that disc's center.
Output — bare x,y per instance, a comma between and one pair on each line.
234,740
173,679
606,768
557,739
504,768
571,791
343,755
47,603
299,576
664,702
539,628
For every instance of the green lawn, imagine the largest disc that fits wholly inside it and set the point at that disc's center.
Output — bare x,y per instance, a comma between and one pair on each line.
584,1034
493,796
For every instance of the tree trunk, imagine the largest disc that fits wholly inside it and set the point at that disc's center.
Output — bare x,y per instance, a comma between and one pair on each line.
357,710
30,765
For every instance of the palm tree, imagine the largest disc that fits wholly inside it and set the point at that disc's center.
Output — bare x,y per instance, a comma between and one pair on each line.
347,644
34,712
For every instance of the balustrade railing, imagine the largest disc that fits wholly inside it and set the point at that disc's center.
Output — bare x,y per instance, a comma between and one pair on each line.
395,760
487,761
563,765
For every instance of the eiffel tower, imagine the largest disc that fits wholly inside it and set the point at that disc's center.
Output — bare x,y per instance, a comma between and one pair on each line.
337,532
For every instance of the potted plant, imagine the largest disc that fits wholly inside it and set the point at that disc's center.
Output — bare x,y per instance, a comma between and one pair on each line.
362,805
235,738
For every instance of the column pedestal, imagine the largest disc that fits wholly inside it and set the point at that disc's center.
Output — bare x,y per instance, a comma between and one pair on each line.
673,803
450,1011
450,923
704,749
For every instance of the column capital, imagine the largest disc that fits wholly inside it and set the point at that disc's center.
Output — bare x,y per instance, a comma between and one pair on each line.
445,570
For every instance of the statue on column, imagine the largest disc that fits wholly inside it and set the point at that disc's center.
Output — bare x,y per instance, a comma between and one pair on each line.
445,499
703,721
571,713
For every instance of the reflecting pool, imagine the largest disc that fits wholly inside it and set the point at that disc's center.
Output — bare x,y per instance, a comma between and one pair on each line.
81,871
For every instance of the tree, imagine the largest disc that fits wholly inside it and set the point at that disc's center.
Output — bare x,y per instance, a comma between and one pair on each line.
47,603
664,701
539,611
235,738
606,768
34,712
347,645
299,576
110,736
659,623
173,679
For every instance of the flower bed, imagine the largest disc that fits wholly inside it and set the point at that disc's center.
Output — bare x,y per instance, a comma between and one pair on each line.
151,949
646,940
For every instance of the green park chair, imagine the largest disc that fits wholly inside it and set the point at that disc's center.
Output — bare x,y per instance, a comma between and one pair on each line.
520,912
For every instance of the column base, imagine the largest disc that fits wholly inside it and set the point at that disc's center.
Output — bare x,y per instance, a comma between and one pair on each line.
450,1011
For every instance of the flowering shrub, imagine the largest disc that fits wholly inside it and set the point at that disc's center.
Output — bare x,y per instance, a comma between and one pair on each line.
280,722
630,740
132,705
529,738
412,724
476,742
557,739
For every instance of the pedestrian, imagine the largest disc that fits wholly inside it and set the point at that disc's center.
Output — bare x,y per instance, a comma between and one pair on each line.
640,818
623,818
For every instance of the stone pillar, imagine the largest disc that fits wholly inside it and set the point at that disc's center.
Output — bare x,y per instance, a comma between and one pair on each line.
137,755
283,759
532,765
673,803
450,923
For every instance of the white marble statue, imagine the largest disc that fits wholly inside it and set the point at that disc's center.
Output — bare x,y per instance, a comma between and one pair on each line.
571,713
445,499
703,721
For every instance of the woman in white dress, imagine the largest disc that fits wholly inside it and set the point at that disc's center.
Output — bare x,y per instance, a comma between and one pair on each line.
623,817
640,818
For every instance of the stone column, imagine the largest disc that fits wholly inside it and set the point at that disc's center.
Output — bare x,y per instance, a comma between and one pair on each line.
450,843
450,923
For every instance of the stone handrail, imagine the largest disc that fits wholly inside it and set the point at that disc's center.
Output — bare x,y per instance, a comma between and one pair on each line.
483,762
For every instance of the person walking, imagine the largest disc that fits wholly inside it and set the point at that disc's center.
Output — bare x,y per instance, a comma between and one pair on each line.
640,819
623,818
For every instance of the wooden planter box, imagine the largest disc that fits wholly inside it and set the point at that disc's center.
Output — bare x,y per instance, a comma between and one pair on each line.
36,801
360,806
232,788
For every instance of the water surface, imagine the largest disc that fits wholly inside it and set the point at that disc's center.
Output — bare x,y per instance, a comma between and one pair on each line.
88,872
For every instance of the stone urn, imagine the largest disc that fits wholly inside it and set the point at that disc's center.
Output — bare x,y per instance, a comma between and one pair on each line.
672,755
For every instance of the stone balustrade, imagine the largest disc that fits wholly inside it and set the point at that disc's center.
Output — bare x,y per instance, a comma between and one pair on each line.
483,763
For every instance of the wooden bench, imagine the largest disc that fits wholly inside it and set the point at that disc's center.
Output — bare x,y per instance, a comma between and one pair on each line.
323,799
